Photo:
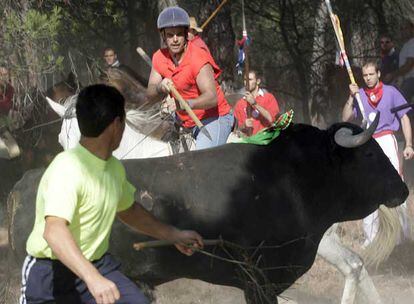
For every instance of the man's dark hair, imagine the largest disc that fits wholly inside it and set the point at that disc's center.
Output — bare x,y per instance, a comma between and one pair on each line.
109,48
256,73
373,63
386,35
97,107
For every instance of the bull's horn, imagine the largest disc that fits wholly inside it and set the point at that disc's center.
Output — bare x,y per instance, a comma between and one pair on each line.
344,137
58,108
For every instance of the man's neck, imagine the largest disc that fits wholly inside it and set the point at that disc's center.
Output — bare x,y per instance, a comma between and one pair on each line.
255,91
97,147
115,64
177,58
390,52
375,86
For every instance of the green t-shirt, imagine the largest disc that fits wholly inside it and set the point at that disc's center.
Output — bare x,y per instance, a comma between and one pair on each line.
87,192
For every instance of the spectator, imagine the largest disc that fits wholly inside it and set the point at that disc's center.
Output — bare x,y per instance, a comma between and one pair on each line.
389,58
112,62
263,107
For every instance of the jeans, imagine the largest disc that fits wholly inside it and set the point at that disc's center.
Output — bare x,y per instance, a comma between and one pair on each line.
219,129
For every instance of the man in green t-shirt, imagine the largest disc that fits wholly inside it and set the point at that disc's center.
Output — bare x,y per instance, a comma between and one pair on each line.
78,197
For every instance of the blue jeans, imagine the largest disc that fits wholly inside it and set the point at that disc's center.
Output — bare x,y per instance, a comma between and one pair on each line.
219,129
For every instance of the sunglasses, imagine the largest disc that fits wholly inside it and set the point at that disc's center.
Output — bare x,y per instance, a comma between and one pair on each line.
385,42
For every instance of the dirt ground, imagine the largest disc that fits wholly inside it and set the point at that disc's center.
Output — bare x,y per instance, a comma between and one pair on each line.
321,285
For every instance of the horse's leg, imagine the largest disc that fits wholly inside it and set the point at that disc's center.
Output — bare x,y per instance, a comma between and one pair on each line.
367,293
357,280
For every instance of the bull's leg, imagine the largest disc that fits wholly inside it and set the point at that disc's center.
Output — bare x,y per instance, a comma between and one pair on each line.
358,284
10,287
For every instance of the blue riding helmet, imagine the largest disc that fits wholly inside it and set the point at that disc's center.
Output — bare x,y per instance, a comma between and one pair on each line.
173,16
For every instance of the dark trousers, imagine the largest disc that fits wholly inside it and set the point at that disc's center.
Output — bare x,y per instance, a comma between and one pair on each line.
407,89
49,281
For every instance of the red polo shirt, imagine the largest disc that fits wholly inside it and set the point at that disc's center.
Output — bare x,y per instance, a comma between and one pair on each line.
267,101
184,77
6,100
198,41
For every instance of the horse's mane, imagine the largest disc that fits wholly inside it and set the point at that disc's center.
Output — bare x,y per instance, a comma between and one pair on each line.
142,116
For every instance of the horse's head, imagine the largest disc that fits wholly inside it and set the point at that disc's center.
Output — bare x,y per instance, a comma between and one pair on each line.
65,88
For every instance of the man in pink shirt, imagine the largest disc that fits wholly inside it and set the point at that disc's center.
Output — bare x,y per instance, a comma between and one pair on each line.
376,96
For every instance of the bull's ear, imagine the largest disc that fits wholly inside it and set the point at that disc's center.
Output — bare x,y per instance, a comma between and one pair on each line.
58,108
71,79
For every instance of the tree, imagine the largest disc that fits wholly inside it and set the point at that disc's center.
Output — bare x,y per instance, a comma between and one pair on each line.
219,35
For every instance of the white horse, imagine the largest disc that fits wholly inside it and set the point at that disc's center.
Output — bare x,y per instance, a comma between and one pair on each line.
134,144
359,287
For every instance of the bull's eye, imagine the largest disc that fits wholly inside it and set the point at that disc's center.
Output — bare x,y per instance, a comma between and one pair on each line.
369,154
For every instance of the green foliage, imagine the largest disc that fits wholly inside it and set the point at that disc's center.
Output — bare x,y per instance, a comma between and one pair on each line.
31,37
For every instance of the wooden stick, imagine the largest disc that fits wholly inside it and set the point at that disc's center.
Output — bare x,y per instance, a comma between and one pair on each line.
340,39
213,14
161,243
184,105
249,108
144,56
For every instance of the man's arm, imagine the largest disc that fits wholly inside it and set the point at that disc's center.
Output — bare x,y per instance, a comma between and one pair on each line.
63,245
265,113
156,91
144,222
406,128
348,110
207,86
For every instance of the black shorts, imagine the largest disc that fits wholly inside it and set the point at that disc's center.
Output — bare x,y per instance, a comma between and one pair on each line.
45,280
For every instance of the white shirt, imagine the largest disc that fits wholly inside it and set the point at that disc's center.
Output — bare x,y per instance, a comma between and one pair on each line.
406,52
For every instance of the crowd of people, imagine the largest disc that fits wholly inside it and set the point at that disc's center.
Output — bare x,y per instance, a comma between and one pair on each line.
85,188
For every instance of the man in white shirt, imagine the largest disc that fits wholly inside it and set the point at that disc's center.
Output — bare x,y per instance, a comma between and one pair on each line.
406,65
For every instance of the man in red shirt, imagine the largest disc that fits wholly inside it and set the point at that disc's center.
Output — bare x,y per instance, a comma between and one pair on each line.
264,107
194,74
6,92
194,35
8,146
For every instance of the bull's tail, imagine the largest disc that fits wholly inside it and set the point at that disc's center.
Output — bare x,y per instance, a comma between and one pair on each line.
389,233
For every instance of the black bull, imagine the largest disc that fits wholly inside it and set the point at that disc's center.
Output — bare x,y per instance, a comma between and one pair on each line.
286,194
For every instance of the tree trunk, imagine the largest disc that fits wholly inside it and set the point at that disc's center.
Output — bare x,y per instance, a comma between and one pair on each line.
318,60
166,3
219,36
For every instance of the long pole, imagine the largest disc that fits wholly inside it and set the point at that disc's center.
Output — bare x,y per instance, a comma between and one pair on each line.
249,108
340,39
190,112
213,14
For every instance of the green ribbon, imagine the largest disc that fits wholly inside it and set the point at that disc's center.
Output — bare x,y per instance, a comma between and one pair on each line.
267,135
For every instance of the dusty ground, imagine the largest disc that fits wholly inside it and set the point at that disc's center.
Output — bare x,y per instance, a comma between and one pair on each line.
321,285
394,279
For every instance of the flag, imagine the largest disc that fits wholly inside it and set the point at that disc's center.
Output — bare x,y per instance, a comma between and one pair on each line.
241,57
